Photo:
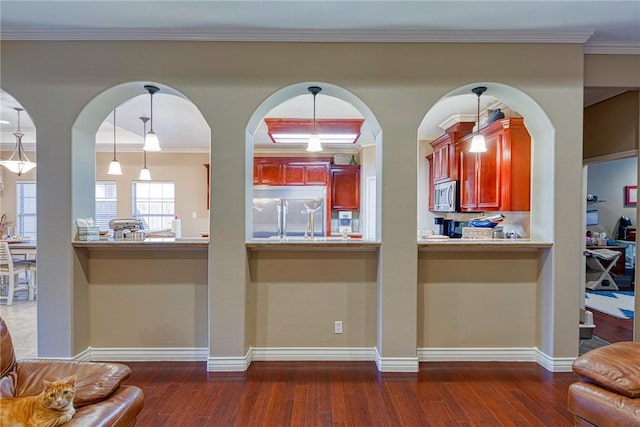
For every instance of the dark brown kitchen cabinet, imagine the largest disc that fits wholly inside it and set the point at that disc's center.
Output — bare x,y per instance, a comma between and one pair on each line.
431,186
345,187
443,162
500,178
268,171
291,171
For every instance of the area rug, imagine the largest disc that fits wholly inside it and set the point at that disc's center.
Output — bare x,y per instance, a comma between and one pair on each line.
618,304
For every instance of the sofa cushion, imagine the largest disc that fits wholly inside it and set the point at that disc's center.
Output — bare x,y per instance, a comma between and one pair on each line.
615,367
95,381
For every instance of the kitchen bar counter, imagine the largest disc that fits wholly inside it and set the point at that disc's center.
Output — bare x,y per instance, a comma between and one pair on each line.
496,245
313,244
194,243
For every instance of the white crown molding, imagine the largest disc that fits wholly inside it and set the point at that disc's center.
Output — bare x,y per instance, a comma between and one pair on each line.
612,49
295,35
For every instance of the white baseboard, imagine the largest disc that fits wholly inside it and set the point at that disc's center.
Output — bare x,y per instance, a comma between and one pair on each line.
313,354
558,364
384,364
229,364
396,364
477,354
495,355
148,354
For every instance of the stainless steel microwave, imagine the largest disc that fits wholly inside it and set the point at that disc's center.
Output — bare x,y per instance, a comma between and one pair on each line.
445,197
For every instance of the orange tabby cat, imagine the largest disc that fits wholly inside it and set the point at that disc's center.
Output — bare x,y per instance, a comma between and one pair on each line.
51,408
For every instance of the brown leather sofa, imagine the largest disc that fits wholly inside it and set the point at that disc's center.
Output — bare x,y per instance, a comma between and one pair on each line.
101,399
608,393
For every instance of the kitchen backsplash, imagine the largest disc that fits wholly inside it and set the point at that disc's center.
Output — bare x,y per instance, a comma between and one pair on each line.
514,220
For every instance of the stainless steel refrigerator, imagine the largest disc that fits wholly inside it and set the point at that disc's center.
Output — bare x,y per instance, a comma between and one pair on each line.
288,211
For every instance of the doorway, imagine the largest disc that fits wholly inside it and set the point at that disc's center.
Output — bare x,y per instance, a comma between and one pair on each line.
610,225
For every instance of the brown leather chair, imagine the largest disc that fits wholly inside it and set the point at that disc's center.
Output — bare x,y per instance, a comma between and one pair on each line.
609,391
101,399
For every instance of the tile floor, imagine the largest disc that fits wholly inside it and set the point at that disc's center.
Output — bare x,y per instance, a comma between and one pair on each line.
20,318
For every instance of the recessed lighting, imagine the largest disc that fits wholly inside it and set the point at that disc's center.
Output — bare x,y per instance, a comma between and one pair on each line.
4,122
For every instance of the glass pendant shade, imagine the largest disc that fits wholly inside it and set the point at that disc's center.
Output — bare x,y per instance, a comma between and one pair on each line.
114,168
478,144
18,163
145,174
151,143
314,143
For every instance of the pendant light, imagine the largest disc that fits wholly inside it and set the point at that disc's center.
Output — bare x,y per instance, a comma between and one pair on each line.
114,166
477,143
314,140
145,175
151,143
22,164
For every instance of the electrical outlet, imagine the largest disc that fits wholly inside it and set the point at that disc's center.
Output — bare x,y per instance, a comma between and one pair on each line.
337,327
193,214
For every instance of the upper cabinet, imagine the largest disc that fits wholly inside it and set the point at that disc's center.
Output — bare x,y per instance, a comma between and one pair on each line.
500,178
443,161
290,171
345,187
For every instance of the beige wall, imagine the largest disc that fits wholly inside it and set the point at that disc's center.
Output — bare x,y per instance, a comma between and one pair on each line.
612,126
186,171
455,289
298,299
147,299
399,83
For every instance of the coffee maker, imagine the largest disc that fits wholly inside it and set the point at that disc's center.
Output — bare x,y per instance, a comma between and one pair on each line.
449,227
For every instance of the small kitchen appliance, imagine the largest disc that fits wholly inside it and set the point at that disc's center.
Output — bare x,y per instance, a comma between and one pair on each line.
122,227
445,197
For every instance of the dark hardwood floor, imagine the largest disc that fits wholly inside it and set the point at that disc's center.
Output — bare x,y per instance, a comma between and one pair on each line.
352,394
611,329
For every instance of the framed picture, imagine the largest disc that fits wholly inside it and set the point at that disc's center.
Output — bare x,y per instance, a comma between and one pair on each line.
631,195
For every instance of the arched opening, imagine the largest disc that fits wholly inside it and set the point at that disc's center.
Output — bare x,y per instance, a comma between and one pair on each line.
459,106
535,290
183,286
18,220
333,102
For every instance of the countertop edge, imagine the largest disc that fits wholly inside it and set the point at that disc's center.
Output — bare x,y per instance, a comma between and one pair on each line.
141,245
482,244
311,245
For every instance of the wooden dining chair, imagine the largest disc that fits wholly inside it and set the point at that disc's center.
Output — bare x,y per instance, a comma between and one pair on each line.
9,274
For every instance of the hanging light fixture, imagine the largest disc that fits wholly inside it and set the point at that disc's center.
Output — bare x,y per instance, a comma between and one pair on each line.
314,139
477,143
151,143
114,166
145,175
22,164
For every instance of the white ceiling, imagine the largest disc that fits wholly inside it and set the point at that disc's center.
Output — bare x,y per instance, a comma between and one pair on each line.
603,27
598,23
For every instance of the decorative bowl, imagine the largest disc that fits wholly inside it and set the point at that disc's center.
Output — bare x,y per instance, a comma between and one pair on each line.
484,223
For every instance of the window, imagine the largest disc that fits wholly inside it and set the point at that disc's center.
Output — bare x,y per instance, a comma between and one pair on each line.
154,204
106,203
26,217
